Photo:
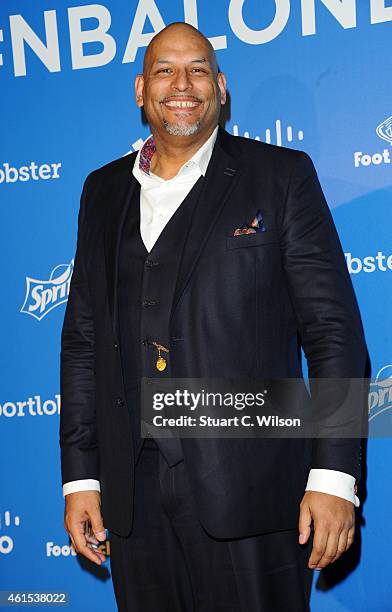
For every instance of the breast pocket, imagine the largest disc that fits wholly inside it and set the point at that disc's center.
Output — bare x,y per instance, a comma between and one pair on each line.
251,240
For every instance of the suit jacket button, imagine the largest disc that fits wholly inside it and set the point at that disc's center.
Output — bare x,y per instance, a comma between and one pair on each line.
150,263
119,402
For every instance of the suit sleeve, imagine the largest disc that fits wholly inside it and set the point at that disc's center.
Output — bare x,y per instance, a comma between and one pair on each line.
78,429
327,315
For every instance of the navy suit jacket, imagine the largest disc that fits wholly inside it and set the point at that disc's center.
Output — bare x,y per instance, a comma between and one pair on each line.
243,307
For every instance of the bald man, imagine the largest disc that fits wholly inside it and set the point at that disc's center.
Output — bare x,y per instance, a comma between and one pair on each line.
203,256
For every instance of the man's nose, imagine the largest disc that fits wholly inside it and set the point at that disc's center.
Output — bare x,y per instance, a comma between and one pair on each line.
181,81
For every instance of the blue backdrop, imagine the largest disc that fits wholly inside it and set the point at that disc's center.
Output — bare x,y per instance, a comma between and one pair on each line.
310,74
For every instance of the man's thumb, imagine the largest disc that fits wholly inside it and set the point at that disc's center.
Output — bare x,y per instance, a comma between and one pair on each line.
304,523
98,528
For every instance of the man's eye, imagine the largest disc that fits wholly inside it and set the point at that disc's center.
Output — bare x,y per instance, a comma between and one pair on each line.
166,70
197,70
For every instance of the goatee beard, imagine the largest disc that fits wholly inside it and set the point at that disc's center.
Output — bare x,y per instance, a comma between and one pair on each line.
181,129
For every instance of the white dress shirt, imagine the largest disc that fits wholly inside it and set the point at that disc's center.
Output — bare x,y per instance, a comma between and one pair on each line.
159,200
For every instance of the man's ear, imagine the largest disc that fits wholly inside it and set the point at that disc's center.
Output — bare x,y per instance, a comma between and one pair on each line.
139,86
222,86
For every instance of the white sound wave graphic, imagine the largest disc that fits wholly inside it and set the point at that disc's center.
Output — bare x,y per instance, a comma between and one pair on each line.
135,146
278,134
6,522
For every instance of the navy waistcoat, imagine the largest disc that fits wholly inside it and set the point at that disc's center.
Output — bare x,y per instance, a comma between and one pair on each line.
146,286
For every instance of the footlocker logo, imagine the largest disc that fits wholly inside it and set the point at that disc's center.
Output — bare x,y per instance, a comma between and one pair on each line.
384,130
377,158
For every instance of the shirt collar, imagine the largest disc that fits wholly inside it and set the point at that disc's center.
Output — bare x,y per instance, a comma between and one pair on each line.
201,158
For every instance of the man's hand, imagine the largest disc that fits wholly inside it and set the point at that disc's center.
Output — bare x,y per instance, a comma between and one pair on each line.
80,507
334,526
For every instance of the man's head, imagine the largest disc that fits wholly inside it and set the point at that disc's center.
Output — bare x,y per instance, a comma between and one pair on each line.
181,89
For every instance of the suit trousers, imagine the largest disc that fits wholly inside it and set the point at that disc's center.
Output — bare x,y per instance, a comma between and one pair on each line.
169,563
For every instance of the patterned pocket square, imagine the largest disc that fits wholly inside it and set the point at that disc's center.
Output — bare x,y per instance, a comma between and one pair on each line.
256,225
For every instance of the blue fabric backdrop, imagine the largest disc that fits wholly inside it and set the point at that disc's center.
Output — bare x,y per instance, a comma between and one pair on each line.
310,74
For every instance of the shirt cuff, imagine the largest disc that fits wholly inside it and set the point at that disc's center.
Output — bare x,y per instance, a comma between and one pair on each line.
333,482
86,484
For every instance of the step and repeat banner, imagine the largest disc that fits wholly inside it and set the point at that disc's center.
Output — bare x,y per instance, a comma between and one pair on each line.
309,74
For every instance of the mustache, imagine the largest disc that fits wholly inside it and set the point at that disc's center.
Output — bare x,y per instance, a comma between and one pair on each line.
183,97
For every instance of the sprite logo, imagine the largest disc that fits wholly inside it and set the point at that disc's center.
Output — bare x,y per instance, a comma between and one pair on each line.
380,395
44,295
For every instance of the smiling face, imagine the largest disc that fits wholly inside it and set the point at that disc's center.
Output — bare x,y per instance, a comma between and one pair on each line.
181,89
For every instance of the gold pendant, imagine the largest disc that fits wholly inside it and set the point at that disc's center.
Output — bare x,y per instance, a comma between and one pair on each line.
161,364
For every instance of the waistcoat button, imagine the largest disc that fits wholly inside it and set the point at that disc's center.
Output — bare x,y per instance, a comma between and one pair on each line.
119,402
150,263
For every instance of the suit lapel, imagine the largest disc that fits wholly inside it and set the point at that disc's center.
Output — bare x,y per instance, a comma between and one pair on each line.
220,178
123,190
